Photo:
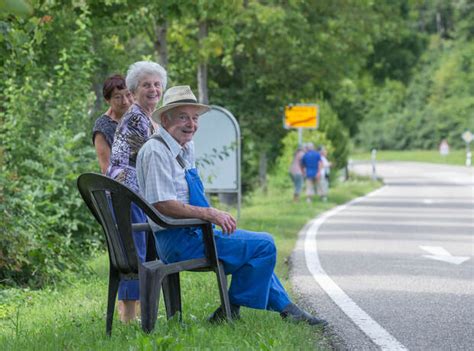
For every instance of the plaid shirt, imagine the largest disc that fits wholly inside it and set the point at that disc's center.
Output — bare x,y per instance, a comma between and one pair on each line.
160,177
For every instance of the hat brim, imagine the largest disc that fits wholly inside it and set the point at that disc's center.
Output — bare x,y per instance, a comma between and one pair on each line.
156,116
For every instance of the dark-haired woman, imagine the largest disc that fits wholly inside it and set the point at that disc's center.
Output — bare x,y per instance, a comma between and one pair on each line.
119,99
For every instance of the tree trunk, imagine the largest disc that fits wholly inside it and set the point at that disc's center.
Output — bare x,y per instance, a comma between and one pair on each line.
96,108
439,25
202,66
160,43
421,19
262,171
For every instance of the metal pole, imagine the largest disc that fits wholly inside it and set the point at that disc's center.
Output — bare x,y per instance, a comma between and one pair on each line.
468,154
373,157
348,169
300,136
239,203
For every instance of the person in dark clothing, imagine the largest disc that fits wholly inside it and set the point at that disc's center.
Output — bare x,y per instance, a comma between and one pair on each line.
119,99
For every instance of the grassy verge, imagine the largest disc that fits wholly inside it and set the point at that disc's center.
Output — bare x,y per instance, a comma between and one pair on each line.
72,315
455,157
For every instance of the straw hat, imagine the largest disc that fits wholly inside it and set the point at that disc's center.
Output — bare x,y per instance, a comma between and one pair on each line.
180,95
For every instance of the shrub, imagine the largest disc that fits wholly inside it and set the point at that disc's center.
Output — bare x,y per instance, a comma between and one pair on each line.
44,227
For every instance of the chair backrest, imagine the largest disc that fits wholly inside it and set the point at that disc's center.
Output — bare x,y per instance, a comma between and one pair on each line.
110,202
111,207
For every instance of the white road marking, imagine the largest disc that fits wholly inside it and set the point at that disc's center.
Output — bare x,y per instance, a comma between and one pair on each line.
432,216
366,207
441,254
406,223
371,328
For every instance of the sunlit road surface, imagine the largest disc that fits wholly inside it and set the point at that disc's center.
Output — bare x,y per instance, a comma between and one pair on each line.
395,270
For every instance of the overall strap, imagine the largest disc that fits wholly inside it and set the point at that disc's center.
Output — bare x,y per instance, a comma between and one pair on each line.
179,158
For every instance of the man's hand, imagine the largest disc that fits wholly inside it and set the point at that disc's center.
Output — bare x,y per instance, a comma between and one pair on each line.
222,219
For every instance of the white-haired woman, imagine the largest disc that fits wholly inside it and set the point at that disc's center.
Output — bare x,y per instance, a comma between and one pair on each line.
146,81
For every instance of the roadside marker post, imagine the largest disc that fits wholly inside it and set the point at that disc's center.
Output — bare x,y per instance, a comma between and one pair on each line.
373,161
467,137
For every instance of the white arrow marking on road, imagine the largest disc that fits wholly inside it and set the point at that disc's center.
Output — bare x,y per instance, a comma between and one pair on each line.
439,253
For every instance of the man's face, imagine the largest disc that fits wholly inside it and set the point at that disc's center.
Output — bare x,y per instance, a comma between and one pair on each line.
183,123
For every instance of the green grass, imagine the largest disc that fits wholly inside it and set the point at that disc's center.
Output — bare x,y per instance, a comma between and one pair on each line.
72,315
455,157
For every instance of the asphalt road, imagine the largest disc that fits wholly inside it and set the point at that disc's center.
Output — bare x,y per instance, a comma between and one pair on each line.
395,269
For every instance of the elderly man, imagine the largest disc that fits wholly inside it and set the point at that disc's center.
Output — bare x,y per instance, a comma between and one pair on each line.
167,179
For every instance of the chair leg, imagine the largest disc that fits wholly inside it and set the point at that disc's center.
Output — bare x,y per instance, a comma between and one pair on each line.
172,294
150,283
224,294
114,280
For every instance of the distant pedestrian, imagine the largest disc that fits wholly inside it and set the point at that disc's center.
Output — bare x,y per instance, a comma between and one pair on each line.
296,172
444,148
323,183
311,163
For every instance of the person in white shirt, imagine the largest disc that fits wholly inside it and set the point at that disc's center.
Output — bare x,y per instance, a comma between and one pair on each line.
323,181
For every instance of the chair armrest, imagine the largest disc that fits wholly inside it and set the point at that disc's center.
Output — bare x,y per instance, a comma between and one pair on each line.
167,222
141,227
186,222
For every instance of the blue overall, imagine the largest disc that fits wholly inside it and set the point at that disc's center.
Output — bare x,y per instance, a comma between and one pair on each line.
249,257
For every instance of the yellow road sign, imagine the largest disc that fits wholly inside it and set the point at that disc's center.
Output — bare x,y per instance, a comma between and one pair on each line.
301,116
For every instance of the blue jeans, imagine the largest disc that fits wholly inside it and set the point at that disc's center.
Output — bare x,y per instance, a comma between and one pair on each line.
297,182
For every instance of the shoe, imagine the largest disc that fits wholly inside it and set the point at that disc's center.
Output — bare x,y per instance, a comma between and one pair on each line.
218,315
293,313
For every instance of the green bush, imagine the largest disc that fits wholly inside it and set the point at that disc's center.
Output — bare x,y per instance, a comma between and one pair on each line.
336,133
48,230
44,226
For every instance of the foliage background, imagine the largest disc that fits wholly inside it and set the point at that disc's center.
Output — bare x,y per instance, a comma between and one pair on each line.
387,74
428,97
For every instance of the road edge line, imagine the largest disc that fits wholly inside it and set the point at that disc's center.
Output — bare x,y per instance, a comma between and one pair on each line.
362,320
